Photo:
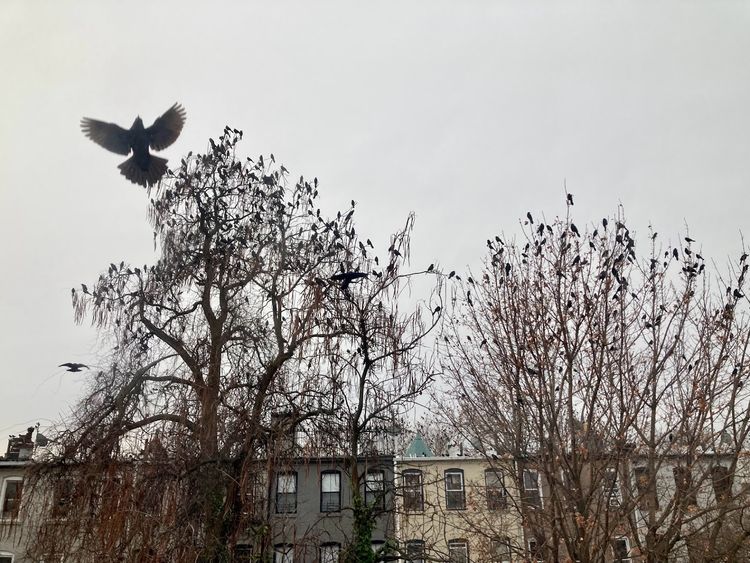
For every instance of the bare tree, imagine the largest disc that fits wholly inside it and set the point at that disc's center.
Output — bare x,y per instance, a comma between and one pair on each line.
242,318
379,363
615,380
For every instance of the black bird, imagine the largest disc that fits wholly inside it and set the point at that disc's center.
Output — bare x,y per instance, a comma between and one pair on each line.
529,217
570,199
73,366
689,240
574,229
431,267
142,167
348,277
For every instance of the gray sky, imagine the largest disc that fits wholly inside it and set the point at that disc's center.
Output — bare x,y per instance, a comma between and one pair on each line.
467,113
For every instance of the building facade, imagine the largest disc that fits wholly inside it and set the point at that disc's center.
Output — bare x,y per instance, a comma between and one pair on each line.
13,464
459,509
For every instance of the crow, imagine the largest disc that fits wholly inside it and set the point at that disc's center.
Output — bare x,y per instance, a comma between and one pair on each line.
348,277
142,167
73,366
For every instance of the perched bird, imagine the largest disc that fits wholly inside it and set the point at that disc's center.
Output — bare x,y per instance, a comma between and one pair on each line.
73,366
570,199
348,277
142,167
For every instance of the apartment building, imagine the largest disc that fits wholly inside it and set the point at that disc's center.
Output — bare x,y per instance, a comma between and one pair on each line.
457,508
311,511
12,468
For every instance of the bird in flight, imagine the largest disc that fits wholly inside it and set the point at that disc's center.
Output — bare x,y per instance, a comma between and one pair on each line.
72,366
142,167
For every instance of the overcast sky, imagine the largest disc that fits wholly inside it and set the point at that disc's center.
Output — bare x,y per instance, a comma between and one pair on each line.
467,113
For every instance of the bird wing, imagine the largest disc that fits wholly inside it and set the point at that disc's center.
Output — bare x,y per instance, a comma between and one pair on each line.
110,136
166,128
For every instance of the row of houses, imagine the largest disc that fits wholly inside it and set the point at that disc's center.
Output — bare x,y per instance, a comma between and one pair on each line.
452,508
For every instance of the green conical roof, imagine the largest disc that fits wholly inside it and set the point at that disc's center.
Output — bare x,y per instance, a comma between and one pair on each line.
418,448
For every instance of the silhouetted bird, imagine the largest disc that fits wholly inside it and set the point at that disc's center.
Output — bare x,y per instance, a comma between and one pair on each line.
348,277
142,168
73,366
570,199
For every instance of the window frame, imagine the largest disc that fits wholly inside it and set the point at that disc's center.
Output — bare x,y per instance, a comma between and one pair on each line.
629,557
278,493
418,557
536,553
419,489
497,493
611,483
328,545
501,542
375,497
536,500
458,543
721,484
683,482
461,491
241,550
12,514
648,498
8,554
326,508
283,553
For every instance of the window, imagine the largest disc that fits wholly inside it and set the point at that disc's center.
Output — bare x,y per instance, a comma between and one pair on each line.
283,553
647,499
415,551
497,495
330,491
722,483
531,494
286,493
684,484
455,498
611,487
621,548
375,489
329,553
63,497
500,550
458,551
11,497
536,553
377,546
413,491
6,557
243,553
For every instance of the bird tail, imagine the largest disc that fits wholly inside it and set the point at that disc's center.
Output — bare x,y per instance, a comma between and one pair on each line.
133,171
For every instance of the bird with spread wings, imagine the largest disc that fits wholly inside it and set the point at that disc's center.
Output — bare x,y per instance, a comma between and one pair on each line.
142,167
